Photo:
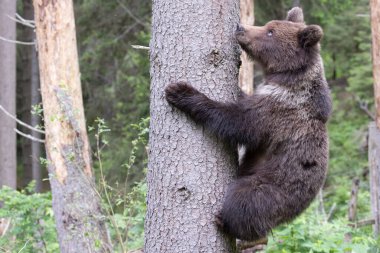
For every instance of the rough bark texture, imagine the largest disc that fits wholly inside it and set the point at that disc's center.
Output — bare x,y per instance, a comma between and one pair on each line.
7,94
375,25
246,68
189,170
374,164
29,90
77,211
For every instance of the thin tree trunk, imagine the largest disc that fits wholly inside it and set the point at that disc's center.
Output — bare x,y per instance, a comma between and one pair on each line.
29,89
353,200
24,97
374,172
375,24
188,169
76,205
374,128
35,121
7,94
246,69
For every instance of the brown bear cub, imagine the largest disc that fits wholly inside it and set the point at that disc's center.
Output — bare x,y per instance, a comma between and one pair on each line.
282,127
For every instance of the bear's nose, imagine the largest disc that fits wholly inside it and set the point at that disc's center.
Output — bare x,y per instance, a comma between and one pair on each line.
239,28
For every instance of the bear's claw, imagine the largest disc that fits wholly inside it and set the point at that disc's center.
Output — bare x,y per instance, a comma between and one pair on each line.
177,92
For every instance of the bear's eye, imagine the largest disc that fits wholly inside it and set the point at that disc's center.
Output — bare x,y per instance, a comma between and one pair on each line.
270,33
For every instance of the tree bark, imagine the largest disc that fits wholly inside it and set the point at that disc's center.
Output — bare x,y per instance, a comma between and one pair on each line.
375,26
374,169
246,69
30,95
188,169
7,94
76,205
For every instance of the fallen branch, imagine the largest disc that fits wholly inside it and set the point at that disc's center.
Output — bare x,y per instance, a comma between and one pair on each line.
362,223
20,122
28,136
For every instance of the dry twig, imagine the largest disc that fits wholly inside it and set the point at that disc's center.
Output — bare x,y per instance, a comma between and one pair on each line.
364,106
28,136
20,122
140,47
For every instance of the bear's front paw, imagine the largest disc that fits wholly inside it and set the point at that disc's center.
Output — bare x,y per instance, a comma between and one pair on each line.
178,94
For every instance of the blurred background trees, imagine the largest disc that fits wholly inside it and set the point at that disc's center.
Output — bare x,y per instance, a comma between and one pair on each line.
7,94
115,80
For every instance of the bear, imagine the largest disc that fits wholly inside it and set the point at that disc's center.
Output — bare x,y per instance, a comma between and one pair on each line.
282,127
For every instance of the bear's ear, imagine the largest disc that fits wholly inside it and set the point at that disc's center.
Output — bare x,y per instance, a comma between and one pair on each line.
295,15
310,36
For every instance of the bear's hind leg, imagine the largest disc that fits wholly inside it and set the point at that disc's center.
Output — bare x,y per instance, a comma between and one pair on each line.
251,209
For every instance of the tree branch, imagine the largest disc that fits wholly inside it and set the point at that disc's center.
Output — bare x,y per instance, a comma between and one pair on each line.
20,122
140,47
364,106
21,20
362,223
132,15
18,42
332,209
28,136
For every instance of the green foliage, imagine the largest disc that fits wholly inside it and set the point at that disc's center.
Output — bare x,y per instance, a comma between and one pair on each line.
124,203
130,219
312,233
31,214
115,77
32,226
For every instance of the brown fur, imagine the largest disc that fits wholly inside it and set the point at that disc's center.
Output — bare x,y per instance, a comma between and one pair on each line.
282,127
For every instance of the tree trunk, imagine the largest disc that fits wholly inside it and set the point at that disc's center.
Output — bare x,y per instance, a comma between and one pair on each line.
7,94
79,220
374,169
188,169
246,68
36,120
375,25
29,90
374,128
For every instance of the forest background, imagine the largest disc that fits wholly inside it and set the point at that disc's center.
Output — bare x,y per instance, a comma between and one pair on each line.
115,82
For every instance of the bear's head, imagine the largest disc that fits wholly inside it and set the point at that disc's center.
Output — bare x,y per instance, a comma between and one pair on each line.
282,45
